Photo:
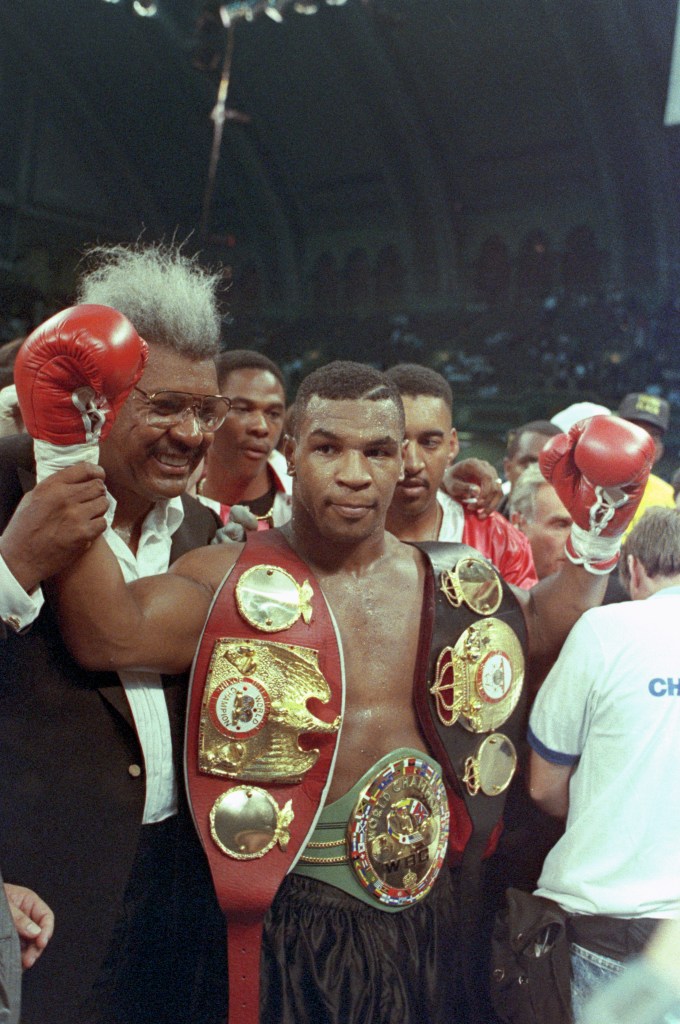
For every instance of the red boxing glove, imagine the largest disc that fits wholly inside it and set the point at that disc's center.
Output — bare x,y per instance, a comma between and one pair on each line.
599,470
74,372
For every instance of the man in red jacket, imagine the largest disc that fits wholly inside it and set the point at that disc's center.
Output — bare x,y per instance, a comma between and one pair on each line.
420,509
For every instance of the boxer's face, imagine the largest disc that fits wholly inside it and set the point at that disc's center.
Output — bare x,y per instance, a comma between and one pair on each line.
529,448
431,445
345,461
146,463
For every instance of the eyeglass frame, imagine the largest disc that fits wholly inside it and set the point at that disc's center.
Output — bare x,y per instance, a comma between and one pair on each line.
196,400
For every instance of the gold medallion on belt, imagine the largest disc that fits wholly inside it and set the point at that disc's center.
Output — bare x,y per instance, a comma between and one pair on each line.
398,833
478,682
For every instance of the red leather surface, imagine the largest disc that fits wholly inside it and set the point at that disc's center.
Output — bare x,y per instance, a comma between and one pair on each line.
245,889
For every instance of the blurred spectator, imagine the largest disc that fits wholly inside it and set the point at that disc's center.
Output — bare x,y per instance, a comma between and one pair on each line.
604,730
536,510
420,510
10,414
675,484
652,414
243,466
524,445
566,418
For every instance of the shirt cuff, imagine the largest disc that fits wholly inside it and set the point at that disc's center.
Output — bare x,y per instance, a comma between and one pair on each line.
18,610
553,756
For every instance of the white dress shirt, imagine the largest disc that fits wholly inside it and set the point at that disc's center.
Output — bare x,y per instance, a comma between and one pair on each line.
144,690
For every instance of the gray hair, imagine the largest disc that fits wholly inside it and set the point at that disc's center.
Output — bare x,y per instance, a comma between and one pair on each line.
523,495
167,296
655,542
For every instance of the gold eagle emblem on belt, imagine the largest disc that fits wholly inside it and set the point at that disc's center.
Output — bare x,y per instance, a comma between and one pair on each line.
254,710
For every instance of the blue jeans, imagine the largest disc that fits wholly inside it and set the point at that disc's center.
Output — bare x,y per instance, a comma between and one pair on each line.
589,971
638,997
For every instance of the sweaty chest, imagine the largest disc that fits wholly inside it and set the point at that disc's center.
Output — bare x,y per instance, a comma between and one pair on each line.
379,622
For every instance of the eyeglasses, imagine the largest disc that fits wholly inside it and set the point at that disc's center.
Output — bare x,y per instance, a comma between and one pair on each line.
170,408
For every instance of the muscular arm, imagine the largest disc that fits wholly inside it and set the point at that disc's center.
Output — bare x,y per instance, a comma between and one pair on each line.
153,623
552,607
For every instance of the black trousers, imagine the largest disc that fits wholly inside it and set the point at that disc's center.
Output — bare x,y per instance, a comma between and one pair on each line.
167,959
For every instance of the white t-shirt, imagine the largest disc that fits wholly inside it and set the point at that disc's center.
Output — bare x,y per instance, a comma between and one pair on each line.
611,706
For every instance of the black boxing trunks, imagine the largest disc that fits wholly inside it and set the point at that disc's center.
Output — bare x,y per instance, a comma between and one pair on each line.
329,958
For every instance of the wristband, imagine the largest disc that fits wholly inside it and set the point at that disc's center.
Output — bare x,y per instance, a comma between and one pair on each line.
597,554
50,458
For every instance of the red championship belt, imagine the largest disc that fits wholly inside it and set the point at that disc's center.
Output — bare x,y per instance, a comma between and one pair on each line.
265,706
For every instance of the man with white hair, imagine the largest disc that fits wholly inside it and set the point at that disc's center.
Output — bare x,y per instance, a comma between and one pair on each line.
92,814
537,511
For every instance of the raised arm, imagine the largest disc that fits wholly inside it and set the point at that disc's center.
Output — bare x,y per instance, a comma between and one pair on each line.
72,375
599,470
153,623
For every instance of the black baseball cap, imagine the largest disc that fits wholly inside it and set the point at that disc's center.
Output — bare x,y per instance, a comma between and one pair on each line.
644,408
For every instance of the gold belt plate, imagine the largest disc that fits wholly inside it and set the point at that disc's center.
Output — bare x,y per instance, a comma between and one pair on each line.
492,767
398,833
479,681
474,582
246,822
254,710
270,599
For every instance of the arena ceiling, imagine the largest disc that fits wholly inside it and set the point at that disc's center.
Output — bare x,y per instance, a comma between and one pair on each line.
418,126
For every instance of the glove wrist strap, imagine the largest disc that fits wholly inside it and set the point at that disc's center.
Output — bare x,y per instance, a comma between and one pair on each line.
597,554
50,458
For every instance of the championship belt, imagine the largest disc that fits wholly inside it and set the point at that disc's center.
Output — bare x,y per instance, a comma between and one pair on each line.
265,708
384,842
471,704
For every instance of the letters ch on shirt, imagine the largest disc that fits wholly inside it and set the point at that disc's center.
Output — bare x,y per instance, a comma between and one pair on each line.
664,687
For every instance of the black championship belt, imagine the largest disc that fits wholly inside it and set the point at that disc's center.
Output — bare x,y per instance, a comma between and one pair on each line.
471,703
265,708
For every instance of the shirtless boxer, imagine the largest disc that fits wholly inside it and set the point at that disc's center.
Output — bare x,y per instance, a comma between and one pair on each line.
329,956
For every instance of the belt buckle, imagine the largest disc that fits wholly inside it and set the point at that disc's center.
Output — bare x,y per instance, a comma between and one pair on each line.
398,833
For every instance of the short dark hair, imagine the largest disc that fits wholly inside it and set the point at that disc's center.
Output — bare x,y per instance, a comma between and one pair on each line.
343,379
246,359
544,427
412,379
655,542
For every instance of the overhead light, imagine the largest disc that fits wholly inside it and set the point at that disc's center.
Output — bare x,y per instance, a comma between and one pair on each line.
305,8
336,3
274,13
145,8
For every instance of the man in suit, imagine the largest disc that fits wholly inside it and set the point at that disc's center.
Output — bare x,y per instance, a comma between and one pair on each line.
93,816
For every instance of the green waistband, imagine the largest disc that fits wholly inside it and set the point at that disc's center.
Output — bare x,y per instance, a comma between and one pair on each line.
326,856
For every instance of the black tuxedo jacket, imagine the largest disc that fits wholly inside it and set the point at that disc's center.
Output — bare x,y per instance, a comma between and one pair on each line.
71,777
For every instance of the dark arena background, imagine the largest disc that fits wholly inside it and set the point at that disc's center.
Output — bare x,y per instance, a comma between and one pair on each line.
487,187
